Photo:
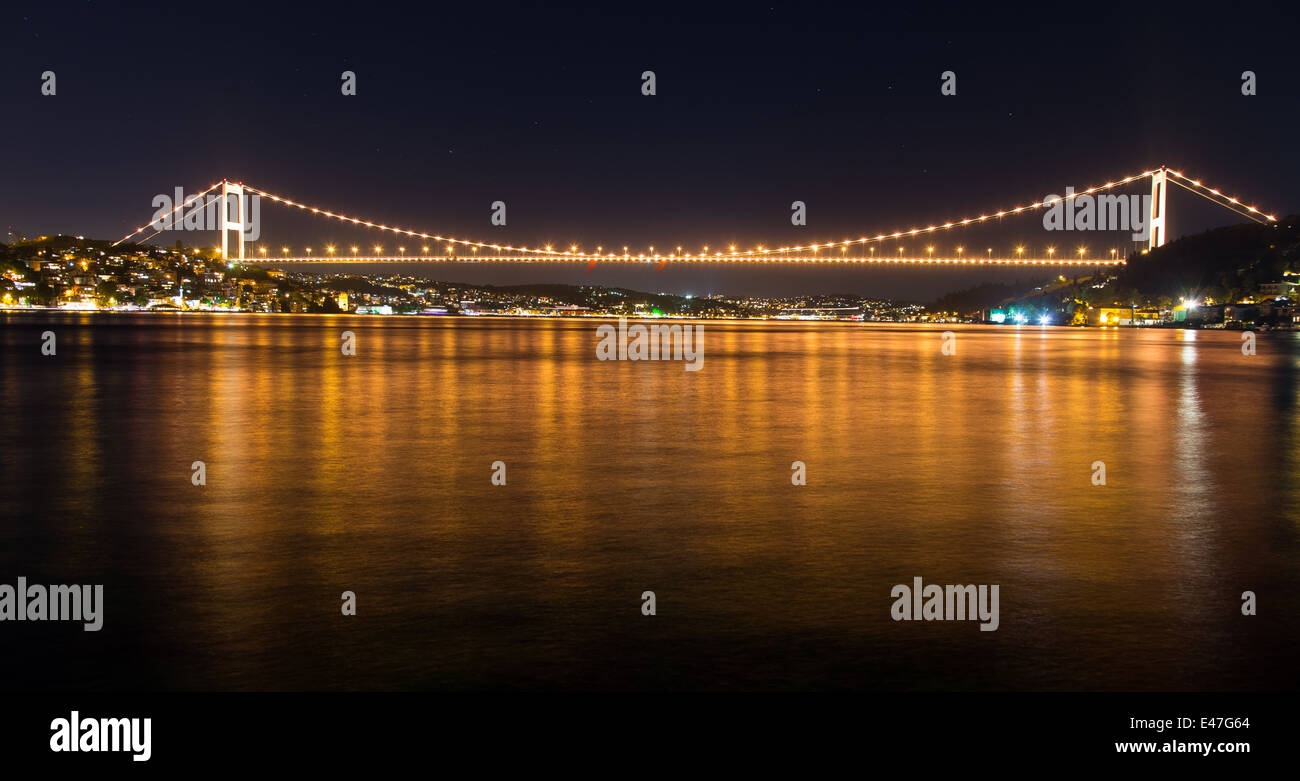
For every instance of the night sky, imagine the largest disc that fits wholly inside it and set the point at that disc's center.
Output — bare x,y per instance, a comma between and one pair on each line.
540,106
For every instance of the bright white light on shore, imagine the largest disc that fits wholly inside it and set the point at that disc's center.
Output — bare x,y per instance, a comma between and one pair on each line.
1045,320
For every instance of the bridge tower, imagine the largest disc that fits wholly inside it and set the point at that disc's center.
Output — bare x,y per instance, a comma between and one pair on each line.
225,223
1156,219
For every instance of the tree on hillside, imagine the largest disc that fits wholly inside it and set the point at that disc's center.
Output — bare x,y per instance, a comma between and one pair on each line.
42,294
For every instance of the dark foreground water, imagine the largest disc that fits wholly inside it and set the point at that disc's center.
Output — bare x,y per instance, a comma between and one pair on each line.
371,474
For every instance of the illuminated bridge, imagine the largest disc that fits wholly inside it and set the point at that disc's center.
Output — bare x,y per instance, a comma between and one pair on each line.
881,248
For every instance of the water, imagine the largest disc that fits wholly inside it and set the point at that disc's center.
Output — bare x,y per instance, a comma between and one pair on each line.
371,473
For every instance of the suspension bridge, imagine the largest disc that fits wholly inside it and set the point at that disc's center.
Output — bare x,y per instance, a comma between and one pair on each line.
868,249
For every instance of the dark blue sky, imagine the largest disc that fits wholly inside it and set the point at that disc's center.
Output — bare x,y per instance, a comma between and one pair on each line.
540,106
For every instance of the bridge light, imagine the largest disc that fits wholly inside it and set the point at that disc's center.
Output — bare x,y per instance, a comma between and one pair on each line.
285,250
262,250
402,250
1020,251
354,250
378,249
1050,252
330,250
1082,250
309,250
426,250
959,250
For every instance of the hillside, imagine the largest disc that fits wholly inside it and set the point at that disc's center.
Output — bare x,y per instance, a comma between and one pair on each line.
1224,264
1221,265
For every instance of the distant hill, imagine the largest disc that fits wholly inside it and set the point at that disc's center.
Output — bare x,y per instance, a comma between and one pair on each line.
595,295
1224,264
984,296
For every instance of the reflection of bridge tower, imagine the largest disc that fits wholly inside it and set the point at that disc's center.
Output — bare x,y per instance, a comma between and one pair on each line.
225,223
1156,219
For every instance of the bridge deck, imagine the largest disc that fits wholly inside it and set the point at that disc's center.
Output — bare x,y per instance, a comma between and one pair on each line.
696,259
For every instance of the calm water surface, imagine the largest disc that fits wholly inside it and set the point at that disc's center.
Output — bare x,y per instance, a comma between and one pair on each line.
372,474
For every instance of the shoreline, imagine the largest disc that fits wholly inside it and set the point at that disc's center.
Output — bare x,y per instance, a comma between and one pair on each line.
517,316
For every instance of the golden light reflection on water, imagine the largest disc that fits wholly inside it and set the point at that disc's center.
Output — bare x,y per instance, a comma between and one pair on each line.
371,473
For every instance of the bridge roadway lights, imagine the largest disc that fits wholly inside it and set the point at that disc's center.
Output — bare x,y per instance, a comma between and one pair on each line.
661,260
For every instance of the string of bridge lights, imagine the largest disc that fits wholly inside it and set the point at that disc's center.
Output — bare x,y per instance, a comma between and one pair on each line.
165,219
741,255
977,260
732,251
1255,214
